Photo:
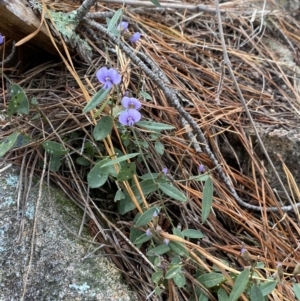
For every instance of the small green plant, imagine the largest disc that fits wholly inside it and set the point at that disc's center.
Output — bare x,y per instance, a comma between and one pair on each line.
171,254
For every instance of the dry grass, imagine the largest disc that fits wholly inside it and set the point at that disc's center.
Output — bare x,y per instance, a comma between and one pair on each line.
186,47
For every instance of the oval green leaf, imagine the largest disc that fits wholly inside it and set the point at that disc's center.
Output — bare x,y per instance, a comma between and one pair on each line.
240,285
159,147
207,199
126,172
191,233
173,271
172,192
159,250
119,196
8,143
114,20
222,295
179,280
177,232
146,217
155,126
157,276
143,238
98,175
178,248
96,99
267,287
201,178
120,159
256,294
18,101
211,279
55,163
54,148
296,288
103,128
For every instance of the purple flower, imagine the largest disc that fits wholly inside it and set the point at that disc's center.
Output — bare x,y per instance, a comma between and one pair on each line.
135,37
108,77
166,241
129,117
130,103
155,214
1,39
148,232
201,168
165,170
123,26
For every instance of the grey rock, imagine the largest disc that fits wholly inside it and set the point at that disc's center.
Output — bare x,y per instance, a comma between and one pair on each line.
53,264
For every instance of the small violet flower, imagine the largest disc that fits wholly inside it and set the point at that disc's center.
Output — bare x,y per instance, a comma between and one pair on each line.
155,214
135,37
1,39
166,241
201,168
123,26
130,117
108,77
148,232
130,103
165,170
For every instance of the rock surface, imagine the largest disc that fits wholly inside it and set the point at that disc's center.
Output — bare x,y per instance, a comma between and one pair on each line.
53,264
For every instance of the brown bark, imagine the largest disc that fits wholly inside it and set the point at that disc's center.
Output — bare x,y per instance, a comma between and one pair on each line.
17,20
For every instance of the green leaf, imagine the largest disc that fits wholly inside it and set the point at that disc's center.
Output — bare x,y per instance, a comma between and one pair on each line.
260,265
179,280
145,95
149,176
143,238
96,99
55,163
156,3
98,175
200,178
296,288
159,147
222,295
207,199
256,294
177,232
159,250
147,186
240,285
22,140
155,126
158,291
120,159
126,172
103,128
211,279
176,260
202,297
178,248
8,143
114,20
267,287
146,217
157,276
135,233
54,148
191,233
173,271
18,101
83,161
172,192
119,196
